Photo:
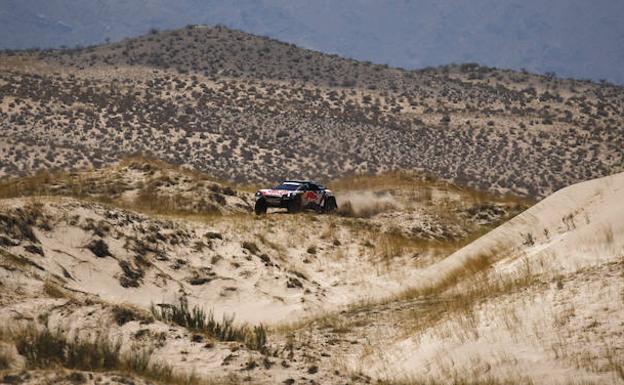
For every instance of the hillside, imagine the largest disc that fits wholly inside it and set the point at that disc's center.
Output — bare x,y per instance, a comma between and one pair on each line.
540,298
573,38
80,248
392,291
251,109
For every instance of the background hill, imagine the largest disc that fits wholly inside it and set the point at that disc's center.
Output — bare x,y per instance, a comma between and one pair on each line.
249,109
570,37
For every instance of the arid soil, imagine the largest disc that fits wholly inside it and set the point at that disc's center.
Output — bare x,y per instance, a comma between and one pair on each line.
98,259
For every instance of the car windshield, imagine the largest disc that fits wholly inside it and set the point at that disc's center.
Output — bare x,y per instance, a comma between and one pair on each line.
287,186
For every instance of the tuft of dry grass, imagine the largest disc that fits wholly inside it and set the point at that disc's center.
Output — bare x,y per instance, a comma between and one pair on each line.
616,362
449,299
45,349
197,319
51,289
474,264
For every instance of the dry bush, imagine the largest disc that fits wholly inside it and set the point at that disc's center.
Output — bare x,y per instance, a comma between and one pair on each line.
124,313
251,247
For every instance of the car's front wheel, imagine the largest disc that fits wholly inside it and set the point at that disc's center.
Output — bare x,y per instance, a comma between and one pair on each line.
261,207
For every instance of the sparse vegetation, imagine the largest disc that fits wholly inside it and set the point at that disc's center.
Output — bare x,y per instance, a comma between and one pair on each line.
444,116
198,320
99,248
51,289
153,190
123,314
44,349
459,379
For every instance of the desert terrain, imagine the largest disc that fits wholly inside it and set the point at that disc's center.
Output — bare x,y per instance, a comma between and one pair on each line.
478,240
250,109
393,288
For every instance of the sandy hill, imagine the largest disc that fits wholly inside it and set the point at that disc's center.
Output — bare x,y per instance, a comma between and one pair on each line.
84,255
247,108
384,291
540,299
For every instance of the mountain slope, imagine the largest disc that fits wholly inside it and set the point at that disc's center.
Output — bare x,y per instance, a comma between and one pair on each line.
571,38
193,97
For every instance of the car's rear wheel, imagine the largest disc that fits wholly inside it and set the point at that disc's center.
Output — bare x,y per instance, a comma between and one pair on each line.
330,205
294,205
261,207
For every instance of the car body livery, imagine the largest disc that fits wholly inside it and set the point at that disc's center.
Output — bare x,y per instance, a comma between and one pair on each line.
296,195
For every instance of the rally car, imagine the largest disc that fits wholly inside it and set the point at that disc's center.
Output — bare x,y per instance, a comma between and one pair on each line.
296,195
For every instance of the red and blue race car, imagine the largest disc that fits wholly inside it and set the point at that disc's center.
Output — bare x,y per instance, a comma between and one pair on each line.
296,195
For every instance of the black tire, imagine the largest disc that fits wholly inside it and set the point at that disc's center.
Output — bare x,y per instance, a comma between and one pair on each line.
261,207
294,205
330,205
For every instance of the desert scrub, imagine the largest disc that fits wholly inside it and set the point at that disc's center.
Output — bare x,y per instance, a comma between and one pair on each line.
251,247
198,320
99,248
127,313
45,349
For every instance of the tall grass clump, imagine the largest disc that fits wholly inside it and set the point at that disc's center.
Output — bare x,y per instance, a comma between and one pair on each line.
46,349
197,319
